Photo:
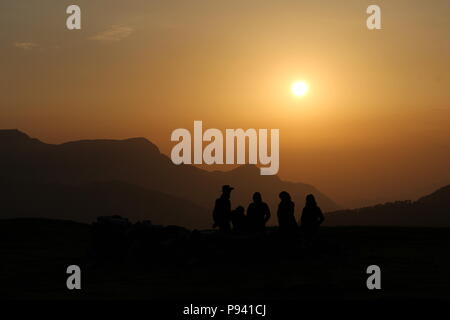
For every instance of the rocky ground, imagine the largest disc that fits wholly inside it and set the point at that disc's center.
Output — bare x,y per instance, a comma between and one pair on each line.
153,262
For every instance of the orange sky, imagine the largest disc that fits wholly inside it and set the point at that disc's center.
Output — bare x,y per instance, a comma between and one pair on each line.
375,125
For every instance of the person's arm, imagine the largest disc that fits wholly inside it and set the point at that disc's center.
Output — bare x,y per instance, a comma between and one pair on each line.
250,211
228,213
300,218
321,216
267,215
215,215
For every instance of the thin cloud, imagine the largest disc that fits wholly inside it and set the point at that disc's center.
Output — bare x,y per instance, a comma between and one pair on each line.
25,45
114,33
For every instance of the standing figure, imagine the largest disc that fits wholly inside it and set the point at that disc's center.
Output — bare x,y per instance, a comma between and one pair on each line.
258,213
312,218
222,210
285,213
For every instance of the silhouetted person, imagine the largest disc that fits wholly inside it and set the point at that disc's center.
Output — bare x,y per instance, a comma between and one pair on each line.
258,213
312,218
238,219
222,210
285,213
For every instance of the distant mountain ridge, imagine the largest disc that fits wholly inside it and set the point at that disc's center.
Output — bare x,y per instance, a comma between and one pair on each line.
137,162
85,202
432,210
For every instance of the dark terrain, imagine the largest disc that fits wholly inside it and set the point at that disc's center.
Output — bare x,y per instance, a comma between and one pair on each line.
52,194
432,210
81,180
415,263
126,172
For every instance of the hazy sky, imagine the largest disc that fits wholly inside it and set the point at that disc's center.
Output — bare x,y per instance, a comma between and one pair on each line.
375,125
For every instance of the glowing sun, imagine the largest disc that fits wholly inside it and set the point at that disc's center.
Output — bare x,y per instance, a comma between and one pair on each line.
299,88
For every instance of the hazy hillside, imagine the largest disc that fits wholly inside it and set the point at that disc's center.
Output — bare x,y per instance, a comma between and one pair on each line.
137,162
431,210
87,201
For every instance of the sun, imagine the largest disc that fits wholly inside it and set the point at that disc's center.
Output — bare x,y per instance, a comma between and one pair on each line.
299,88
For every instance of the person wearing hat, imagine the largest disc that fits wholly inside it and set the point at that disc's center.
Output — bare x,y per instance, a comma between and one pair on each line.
222,210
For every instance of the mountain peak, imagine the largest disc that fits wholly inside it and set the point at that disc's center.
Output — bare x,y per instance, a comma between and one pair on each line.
143,142
247,168
439,197
138,140
134,143
251,170
15,138
13,134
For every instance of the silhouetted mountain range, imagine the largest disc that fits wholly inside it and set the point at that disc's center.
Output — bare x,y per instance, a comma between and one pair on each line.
430,211
84,179
84,202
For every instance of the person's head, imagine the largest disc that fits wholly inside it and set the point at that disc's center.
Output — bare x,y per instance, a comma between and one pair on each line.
226,190
310,201
257,197
284,196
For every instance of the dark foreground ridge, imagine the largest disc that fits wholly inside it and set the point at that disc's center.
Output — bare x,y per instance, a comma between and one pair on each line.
432,210
122,260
